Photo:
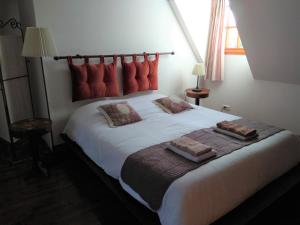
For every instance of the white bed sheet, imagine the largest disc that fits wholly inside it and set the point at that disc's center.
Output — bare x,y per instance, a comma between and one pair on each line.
202,195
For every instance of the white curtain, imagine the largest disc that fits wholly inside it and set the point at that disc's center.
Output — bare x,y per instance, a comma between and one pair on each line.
216,42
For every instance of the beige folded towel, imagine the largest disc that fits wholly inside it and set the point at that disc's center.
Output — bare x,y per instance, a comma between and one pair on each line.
200,158
236,128
190,146
235,135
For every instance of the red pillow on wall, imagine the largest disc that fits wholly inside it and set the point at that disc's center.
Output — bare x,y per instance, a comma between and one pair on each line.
130,84
142,72
153,73
93,80
80,87
139,76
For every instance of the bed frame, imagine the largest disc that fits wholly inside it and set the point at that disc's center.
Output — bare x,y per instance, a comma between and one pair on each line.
238,216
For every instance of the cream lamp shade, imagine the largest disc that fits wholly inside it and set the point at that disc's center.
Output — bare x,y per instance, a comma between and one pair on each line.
38,42
199,69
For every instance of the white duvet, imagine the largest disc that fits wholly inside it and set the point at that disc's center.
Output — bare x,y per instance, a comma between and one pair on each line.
203,195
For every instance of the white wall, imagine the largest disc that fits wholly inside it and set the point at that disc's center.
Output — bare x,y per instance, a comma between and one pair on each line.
27,17
196,16
8,9
271,39
13,65
27,14
272,102
106,27
3,124
270,33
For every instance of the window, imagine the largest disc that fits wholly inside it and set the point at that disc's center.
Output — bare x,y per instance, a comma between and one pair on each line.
233,44
194,15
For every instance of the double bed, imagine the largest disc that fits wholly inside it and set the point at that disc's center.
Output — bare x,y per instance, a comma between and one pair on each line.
202,195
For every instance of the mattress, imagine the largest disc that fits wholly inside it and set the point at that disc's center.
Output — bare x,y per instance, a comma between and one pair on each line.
203,195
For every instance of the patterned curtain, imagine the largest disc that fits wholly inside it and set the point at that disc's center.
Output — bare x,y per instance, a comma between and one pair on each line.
214,61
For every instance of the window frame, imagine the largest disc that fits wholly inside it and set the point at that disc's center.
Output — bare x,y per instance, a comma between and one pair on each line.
239,50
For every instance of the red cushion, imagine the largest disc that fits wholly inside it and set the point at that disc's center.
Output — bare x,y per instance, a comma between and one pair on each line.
153,73
139,76
130,84
110,79
80,87
142,72
94,80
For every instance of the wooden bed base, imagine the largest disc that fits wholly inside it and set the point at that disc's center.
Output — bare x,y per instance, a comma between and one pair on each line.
238,216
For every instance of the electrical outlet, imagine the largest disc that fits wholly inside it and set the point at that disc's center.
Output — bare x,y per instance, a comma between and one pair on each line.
226,108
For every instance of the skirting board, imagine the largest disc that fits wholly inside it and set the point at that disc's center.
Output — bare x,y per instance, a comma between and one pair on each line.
238,216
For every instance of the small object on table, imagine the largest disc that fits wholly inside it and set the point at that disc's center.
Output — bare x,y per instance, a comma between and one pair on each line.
33,129
203,93
199,71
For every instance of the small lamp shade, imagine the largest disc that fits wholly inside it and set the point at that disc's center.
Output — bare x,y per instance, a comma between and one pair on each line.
199,69
38,42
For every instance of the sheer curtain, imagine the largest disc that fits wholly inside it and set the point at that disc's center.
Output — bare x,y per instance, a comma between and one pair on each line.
216,42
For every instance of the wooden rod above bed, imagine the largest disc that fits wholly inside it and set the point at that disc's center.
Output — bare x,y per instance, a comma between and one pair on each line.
118,55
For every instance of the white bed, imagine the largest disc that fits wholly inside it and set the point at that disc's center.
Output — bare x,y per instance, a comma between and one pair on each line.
203,195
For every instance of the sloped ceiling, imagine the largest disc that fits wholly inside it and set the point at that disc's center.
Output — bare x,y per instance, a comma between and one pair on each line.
270,32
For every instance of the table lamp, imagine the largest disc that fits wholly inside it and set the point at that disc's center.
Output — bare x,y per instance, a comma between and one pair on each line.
198,70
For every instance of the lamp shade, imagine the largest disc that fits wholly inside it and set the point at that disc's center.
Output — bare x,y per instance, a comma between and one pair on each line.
38,42
199,69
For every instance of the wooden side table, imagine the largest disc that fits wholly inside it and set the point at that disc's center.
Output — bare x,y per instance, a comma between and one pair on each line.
204,93
33,129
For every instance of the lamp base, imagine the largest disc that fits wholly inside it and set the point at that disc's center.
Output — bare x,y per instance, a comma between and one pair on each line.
196,90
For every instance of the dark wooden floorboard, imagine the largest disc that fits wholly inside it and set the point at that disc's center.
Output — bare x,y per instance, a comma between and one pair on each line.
285,211
73,195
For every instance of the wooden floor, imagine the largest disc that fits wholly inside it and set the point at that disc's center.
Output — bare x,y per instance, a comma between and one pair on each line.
73,195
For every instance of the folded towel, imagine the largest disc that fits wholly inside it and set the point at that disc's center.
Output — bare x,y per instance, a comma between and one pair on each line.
190,146
236,128
188,156
240,137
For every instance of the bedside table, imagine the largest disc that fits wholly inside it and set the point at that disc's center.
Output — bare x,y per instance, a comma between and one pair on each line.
33,129
204,93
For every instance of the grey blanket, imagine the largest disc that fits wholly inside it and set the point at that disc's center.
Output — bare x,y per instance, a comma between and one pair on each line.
150,171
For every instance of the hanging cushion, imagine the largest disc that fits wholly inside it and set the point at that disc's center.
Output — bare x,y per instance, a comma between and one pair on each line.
80,87
94,80
172,105
139,76
153,73
119,114
130,84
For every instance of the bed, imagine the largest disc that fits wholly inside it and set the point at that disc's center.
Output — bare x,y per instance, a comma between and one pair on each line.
203,195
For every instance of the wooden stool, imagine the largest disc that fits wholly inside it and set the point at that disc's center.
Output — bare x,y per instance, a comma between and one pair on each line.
33,129
203,93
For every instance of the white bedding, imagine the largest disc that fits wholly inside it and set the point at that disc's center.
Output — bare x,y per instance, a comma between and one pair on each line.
202,195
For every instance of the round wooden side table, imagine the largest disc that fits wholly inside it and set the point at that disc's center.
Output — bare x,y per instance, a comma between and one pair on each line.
204,93
33,129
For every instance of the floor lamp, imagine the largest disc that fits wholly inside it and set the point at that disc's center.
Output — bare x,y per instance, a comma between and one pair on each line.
38,43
